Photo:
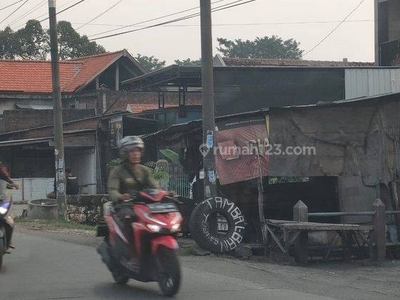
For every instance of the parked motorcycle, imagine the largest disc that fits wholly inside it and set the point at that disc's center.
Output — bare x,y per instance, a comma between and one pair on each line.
146,249
6,222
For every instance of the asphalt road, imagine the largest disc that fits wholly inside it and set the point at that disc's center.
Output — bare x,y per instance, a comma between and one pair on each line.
48,268
42,268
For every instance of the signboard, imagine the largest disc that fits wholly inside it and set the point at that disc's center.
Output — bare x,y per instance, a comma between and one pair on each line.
116,133
241,149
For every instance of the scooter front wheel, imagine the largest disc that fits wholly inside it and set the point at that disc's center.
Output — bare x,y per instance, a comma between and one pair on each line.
169,272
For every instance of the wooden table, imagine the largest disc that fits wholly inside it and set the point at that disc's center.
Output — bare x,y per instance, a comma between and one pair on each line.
296,233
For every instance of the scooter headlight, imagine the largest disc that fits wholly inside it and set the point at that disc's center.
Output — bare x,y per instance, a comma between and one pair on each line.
4,208
176,227
154,228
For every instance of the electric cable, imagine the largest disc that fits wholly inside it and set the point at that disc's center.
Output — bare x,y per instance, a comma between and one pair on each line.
5,7
14,11
223,7
98,16
241,24
150,20
32,10
334,29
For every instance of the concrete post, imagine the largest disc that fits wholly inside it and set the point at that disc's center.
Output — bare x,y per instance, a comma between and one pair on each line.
300,214
379,223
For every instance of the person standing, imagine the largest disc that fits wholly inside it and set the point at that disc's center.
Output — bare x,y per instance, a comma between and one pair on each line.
72,183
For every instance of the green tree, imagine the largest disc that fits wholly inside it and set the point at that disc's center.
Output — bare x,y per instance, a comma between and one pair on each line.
266,47
150,63
32,41
188,62
8,44
72,45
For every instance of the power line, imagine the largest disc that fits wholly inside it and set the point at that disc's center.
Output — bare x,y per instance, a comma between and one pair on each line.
146,21
42,15
5,7
222,7
61,11
14,11
29,12
240,24
69,7
98,16
334,29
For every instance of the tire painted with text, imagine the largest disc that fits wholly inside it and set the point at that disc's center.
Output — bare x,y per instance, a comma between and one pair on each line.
200,227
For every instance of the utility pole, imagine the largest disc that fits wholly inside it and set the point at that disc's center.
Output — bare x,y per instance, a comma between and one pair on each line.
207,79
57,116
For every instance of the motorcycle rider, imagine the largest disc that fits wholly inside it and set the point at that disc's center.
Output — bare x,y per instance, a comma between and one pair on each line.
128,176
4,175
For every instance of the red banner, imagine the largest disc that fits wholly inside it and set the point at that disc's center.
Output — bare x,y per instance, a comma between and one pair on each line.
240,149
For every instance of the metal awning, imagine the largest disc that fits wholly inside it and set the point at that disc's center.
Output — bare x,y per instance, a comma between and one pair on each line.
171,76
25,142
34,106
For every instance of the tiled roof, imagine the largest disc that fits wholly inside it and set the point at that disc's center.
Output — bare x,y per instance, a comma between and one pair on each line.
292,62
31,76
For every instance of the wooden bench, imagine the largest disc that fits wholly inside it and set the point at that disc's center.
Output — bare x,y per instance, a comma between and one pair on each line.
296,233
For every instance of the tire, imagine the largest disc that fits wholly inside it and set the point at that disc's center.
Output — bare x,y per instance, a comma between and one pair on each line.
169,271
120,278
217,242
1,251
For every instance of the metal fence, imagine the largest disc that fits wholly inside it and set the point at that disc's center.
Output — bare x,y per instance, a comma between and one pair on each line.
179,181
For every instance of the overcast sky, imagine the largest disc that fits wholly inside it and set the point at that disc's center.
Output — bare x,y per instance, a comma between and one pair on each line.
306,21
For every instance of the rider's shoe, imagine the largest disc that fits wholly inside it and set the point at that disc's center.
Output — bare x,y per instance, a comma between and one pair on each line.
133,263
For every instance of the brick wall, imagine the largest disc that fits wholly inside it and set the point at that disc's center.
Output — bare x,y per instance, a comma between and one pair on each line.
48,131
28,118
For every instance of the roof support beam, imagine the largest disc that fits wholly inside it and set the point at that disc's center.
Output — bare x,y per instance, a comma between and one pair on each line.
117,76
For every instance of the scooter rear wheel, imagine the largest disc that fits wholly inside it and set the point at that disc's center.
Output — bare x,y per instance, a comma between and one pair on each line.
169,279
119,277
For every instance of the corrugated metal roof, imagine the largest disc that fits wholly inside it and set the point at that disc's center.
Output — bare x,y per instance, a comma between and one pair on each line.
196,124
234,61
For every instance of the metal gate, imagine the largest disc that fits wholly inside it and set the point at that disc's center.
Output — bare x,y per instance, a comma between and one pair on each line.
179,181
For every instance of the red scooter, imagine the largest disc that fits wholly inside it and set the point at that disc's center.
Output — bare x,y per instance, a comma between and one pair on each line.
143,247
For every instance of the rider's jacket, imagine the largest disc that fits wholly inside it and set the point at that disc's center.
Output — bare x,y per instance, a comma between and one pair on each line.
126,177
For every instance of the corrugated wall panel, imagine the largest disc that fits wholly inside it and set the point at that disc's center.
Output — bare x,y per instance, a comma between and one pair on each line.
356,83
395,80
371,82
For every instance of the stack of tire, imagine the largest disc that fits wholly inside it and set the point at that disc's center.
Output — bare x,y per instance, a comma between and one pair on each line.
210,239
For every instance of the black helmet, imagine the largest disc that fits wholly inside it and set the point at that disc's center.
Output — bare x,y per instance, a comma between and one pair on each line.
129,143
